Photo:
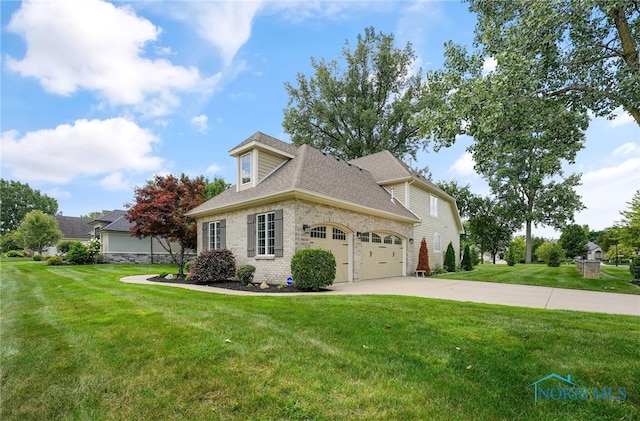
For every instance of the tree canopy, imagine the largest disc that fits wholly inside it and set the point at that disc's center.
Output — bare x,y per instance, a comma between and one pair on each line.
364,107
159,211
39,231
628,229
573,240
585,53
17,200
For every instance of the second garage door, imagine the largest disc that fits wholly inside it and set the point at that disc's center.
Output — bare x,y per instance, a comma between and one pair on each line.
382,256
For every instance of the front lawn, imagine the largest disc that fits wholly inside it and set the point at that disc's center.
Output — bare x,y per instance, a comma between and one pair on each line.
78,344
612,279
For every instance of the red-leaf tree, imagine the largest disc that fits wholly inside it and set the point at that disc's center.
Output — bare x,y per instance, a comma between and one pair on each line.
159,211
423,258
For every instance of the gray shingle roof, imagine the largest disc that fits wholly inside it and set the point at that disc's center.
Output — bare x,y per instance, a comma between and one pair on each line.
73,226
320,175
120,224
110,216
269,141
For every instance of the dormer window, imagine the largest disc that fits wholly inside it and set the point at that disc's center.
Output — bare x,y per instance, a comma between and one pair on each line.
245,168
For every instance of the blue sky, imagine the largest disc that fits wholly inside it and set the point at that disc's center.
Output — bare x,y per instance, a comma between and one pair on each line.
97,96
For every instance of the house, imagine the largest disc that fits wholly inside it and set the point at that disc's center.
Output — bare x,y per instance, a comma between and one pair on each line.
118,245
594,252
371,213
73,228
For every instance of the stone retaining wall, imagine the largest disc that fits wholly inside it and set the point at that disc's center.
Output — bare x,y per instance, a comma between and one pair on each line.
590,269
142,258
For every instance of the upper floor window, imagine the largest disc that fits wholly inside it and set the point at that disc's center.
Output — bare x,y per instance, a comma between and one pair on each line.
433,205
245,168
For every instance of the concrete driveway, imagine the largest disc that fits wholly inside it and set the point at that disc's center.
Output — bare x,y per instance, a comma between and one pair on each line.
471,291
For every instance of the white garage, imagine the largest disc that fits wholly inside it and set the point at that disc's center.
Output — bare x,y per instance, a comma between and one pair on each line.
382,255
334,240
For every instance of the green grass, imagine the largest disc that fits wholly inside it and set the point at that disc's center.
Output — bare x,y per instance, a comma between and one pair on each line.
612,279
78,344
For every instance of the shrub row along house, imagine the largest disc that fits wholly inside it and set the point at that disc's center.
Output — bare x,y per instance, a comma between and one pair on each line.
371,212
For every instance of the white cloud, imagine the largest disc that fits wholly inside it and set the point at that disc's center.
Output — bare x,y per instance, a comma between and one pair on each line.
214,169
605,192
622,117
84,148
489,65
200,122
115,181
97,46
463,165
626,150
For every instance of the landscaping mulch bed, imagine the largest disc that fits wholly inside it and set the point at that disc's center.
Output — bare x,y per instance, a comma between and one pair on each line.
236,286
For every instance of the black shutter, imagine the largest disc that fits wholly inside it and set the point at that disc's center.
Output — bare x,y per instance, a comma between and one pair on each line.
223,233
279,240
251,235
205,236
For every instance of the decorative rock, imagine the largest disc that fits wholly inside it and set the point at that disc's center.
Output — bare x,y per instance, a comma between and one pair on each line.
170,276
264,285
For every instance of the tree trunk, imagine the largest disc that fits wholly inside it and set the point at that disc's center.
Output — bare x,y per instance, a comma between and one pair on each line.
527,257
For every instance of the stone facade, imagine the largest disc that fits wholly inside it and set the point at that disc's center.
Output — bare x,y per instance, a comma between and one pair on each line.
590,269
142,258
296,213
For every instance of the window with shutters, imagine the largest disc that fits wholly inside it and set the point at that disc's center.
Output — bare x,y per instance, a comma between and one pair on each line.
265,230
214,235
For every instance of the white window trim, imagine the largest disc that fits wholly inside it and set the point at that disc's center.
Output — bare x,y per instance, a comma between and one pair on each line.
214,231
242,182
433,206
266,238
439,243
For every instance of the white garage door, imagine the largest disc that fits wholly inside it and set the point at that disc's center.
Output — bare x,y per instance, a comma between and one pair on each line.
382,256
334,240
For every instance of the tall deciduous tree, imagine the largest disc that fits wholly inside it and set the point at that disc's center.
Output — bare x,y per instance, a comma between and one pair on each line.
159,211
573,240
362,108
584,52
488,227
628,229
17,200
39,230
462,194
521,141
215,187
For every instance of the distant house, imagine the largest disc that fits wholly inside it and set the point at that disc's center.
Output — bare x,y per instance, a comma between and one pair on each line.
594,252
371,212
119,246
73,228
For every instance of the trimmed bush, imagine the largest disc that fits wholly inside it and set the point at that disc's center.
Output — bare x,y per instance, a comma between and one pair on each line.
313,269
554,259
15,253
78,254
466,259
634,268
450,259
55,261
423,258
38,258
212,266
245,273
512,256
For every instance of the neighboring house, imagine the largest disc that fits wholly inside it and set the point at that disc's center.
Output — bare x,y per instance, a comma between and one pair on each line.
73,228
371,213
594,252
119,246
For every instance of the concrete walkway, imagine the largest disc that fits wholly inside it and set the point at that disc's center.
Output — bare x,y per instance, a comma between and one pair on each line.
472,291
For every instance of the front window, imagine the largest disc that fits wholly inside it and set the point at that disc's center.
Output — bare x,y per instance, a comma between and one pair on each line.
214,235
266,230
245,168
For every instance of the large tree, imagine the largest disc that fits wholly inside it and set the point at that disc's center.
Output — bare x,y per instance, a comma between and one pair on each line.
159,211
463,196
39,231
584,52
361,105
520,141
17,200
573,240
488,227
215,187
628,229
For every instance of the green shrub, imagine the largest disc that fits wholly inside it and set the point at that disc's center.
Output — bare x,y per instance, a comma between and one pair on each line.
545,249
188,265
55,261
38,258
15,253
438,270
64,246
245,273
163,274
212,266
450,259
11,241
512,256
78,254
313,269
634,268
554,259
475,256
466,259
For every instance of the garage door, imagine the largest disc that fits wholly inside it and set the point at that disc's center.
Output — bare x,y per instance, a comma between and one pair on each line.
382,256
334,240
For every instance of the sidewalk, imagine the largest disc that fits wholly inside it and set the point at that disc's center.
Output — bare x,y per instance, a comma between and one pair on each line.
471,291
